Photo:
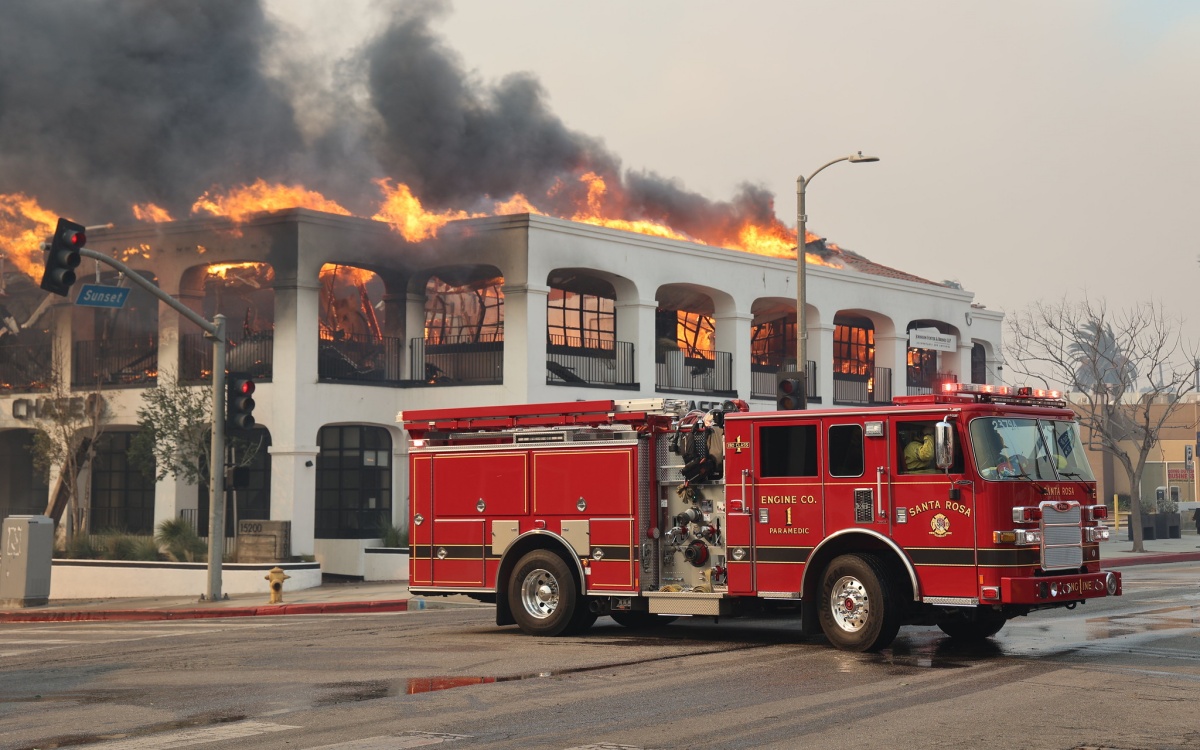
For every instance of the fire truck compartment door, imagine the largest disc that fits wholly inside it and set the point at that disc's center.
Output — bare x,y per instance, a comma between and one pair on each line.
596,481
458,552
421,530
504,533
576,534
784,519
474,485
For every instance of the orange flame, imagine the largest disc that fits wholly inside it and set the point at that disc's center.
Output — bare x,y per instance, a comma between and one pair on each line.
244,201
596,210
254,274
151,212
404,212
24,225
518,204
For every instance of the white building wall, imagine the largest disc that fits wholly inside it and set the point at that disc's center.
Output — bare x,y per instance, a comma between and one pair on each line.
646,272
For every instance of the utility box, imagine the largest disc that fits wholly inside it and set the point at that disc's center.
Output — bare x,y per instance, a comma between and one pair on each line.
28,547
261,541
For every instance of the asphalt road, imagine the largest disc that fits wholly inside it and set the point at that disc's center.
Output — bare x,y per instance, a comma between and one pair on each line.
1118,674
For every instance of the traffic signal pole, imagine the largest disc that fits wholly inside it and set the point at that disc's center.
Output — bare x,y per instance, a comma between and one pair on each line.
216,464
216,468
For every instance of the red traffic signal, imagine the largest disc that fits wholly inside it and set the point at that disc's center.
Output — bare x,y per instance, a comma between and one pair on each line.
239,402
790,391
63,257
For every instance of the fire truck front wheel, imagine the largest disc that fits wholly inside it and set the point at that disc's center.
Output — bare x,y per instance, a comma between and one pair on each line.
543,596
860,609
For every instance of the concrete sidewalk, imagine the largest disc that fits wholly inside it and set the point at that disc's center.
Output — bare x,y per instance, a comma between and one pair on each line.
362,597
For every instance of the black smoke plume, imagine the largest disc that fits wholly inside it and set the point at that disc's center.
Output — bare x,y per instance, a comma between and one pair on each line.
108,103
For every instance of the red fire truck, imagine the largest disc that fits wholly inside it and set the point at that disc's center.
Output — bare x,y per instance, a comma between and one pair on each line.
960,509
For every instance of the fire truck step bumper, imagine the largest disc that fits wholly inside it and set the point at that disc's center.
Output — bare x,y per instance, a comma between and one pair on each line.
688,603
1056,589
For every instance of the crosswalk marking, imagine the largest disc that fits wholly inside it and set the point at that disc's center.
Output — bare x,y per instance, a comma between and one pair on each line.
396,742
188,737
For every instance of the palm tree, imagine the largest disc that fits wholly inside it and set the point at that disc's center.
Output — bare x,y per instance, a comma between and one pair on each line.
1099,360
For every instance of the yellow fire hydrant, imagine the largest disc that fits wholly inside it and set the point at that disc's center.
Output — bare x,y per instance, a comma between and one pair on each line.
276,576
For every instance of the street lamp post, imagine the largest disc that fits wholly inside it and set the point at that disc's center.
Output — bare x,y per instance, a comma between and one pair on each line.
802,264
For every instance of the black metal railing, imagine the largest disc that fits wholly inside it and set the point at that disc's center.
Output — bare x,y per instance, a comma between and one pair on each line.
863,390
253,354
458,360
571,360
134,521
705,371
762,380
931,384
132,361
360,358
26,367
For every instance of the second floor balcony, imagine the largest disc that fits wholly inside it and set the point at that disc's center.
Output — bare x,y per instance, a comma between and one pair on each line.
251,354
25,367
589,362
701,371
854,389
115,362
762,380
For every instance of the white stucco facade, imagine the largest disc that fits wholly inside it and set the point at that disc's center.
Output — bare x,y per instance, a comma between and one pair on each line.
644,276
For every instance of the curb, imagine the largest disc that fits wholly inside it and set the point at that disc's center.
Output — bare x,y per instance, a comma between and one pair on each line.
196,613
1150,558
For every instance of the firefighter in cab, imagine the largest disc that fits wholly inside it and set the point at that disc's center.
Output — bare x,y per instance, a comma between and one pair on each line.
918,451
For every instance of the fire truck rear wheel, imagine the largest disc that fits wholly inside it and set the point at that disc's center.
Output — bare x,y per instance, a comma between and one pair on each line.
543,596
985,625
641,620
860,608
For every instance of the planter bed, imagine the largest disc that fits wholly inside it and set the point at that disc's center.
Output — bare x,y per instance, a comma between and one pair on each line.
385,564
111,579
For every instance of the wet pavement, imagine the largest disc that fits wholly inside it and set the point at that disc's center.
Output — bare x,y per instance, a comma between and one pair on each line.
393,596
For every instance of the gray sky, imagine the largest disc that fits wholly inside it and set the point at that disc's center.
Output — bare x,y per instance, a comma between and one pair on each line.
1029,149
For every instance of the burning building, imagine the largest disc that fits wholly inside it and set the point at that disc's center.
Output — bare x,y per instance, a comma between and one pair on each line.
405,235
344,322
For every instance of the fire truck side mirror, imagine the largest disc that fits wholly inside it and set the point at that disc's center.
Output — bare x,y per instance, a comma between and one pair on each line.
944,444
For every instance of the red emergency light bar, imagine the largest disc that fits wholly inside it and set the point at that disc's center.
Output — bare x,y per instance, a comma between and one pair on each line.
1001,390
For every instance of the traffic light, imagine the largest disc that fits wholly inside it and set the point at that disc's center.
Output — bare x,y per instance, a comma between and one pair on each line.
789,391
239,402
63,257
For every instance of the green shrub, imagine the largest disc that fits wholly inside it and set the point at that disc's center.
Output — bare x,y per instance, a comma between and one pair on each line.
180,540
118,546
392,535
146,549
81,547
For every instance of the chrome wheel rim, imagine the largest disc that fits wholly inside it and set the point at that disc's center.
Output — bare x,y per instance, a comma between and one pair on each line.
539,593
849,604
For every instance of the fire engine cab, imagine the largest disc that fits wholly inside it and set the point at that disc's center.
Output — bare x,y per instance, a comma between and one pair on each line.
961,509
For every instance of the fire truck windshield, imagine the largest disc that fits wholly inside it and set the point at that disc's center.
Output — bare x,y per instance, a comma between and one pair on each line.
1023,449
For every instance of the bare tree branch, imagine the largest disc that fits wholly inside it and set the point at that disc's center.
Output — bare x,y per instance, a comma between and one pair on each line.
1126,371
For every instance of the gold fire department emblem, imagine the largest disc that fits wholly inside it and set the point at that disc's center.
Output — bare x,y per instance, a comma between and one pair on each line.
940,525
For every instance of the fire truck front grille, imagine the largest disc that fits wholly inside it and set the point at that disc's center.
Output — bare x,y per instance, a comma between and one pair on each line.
1062,536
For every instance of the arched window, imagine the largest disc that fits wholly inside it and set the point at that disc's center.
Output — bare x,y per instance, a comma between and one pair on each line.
253,499
853,346
122,495
354,481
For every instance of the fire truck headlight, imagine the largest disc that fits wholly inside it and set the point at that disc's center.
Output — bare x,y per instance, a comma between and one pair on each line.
1110,584
1098,534
1053,590
1028,537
